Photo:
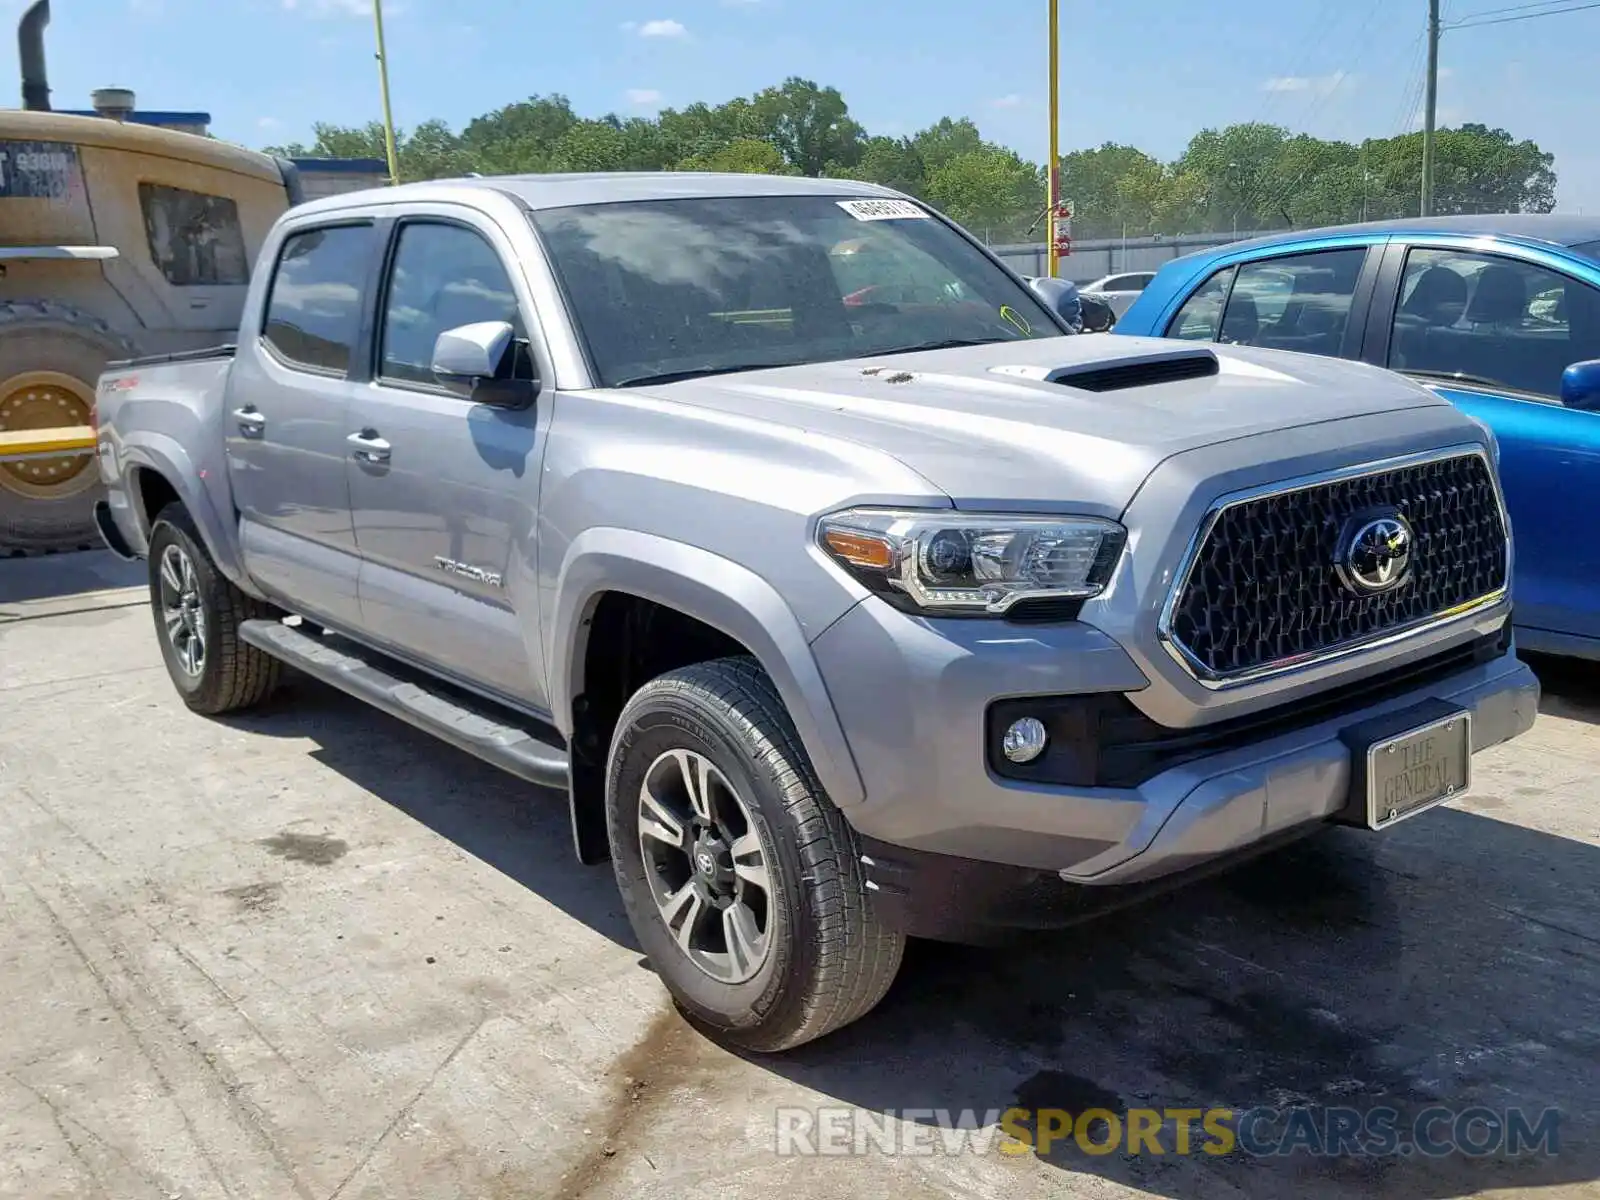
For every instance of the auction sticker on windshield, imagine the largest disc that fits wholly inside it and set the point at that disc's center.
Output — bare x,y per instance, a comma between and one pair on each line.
882,210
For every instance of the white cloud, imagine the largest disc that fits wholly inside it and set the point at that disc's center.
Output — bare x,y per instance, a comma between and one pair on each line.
659,28
1318,85
643,96
268,122
1010,101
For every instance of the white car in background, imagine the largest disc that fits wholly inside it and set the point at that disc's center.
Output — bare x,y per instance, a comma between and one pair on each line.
1119,291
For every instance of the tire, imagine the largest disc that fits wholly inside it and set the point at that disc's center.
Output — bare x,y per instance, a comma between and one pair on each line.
824,958
51,356
230,674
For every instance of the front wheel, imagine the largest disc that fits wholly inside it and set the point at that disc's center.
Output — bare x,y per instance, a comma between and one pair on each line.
198,612
741,879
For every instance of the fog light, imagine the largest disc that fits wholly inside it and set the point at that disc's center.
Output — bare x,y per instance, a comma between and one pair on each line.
1025,740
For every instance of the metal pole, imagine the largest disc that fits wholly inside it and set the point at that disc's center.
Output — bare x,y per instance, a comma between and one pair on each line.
1432,108
1053,260
383,79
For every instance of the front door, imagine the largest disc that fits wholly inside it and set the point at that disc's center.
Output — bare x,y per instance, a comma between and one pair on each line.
286,418
1493,333
443,489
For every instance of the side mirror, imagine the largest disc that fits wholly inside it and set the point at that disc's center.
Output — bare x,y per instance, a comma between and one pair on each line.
478,358
1580,386
1061,298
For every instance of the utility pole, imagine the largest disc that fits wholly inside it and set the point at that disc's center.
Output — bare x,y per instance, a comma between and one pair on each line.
1432,108
383,80
1052,258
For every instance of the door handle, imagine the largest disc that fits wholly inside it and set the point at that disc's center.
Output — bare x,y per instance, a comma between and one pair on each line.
368,446
251,422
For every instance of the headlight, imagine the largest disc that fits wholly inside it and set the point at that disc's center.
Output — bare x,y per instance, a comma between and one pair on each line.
972,562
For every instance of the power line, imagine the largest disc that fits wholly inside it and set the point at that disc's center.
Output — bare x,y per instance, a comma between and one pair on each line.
1514,8
1527,16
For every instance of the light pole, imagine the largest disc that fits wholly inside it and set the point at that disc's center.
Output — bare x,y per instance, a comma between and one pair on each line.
1052,258
1432,108
383,81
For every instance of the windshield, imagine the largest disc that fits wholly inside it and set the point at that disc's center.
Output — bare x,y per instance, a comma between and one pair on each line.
675,288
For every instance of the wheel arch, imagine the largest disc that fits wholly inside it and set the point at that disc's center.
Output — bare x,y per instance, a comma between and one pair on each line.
714,592
147,457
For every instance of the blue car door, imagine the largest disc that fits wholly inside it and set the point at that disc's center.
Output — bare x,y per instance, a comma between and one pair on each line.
1492,330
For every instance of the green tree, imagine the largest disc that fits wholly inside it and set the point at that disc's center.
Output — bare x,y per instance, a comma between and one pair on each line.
989,190
893,162
1111,186
519,137
810,125
944,140
1247,176
747,156
431,151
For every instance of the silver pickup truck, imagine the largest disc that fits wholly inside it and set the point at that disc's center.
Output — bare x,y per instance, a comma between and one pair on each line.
790,535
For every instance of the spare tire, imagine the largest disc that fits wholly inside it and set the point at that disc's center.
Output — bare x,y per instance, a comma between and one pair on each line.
51,356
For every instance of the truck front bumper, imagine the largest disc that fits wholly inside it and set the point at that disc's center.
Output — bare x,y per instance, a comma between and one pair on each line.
943,833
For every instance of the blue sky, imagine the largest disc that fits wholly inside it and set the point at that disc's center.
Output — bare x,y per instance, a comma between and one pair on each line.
1148,72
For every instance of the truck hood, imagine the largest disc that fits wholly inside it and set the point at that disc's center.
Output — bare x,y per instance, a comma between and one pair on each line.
1022,422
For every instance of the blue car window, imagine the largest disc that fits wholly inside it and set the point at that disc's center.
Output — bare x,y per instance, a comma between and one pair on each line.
1294,302
1492,320
1201,314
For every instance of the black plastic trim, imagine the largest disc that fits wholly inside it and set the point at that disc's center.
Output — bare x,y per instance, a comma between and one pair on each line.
227,350
110,534
1104,740
944,898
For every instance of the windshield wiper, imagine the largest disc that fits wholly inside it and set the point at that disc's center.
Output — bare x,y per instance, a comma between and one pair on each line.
947,344
1454,377
696,373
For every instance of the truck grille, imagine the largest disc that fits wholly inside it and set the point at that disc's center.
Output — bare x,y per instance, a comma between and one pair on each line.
1262,590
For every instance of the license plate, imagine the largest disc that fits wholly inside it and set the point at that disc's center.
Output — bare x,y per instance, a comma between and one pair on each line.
1413,771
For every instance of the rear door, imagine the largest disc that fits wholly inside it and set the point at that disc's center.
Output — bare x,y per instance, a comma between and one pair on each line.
444,489
287,415
1492,329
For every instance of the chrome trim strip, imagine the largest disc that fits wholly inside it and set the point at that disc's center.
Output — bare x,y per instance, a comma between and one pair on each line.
1214,681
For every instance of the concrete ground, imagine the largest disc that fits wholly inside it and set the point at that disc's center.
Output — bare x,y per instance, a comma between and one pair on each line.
311,953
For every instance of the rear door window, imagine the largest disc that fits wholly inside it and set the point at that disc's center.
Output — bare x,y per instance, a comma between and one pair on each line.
314,312
1492,320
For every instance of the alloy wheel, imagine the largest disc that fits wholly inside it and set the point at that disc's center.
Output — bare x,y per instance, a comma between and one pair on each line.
182,614
705,866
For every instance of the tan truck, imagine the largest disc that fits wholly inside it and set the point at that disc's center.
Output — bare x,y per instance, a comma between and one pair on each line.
116,239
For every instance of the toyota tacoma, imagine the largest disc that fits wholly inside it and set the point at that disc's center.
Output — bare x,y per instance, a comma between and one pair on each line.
845,595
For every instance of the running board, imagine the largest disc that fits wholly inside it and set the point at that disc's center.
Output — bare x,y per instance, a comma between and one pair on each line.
451,720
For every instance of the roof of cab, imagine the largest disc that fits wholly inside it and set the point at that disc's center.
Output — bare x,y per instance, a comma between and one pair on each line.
25,125
562,191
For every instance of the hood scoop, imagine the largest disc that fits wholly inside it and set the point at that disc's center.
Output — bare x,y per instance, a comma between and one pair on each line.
1141,370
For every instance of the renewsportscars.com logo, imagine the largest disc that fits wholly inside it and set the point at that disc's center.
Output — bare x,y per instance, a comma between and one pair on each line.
1260,1132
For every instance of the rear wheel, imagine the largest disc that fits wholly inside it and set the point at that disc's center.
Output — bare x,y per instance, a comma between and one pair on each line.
197,613
51,356
741,879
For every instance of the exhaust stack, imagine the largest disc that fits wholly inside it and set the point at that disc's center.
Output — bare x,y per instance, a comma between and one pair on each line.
30,51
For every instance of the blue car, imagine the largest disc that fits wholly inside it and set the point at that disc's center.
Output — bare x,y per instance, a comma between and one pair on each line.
1499,314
